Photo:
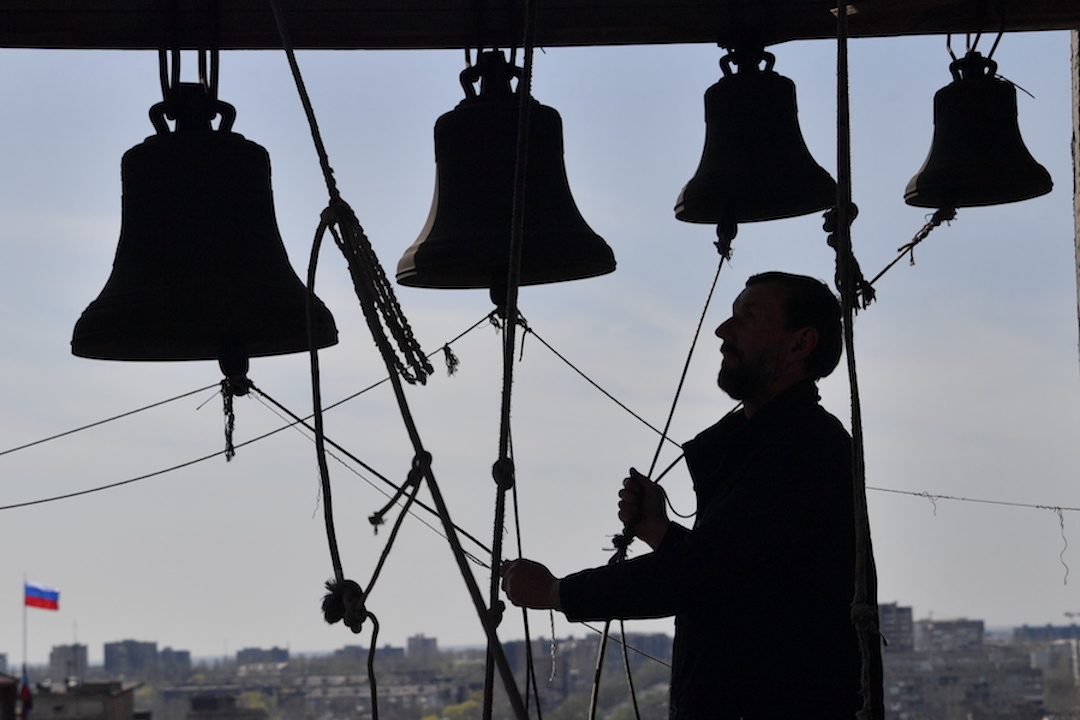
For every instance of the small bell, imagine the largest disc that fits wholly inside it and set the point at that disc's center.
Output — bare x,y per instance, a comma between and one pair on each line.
977,156
466,240
755,165
200,270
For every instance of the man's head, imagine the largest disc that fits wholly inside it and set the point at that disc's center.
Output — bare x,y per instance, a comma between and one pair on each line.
784,328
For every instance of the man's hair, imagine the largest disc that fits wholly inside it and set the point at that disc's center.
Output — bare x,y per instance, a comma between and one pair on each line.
810,303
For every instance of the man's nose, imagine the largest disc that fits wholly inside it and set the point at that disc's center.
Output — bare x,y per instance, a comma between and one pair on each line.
720,329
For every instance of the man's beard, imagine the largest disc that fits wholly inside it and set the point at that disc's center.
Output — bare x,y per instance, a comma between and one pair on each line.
745,379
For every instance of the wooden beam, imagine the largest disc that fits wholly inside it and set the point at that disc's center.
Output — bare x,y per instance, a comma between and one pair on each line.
418,24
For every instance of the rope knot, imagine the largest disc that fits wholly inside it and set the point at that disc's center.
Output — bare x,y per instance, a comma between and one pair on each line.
421,466
503,473
849,278
344,600
831,218
236,386
622,545
724,235
496,612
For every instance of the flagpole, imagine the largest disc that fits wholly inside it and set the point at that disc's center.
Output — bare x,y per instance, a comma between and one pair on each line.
24,624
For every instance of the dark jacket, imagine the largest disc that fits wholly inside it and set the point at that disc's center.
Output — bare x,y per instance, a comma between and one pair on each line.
761,587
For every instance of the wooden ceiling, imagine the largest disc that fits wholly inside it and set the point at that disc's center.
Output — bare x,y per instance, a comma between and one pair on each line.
417,24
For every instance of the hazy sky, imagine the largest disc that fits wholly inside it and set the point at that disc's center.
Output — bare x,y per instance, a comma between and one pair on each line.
967,362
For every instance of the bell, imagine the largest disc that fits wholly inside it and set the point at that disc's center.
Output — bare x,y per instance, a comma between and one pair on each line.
977,156
200,271
755,165
466,240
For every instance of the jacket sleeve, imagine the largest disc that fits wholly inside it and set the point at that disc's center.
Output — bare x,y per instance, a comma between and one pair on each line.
784,523
617,591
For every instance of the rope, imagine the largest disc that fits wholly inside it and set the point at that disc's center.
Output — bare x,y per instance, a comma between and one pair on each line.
370,284
421,464
106,420
933,498
941,215
852,285
371,664
622,540
503,470
629,675
316,403
592,382
373,471
594,696
376,295
530,662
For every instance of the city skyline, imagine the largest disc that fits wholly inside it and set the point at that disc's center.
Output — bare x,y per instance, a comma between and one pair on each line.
579,630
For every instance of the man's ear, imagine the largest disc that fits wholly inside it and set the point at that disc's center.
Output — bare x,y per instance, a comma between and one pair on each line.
803,342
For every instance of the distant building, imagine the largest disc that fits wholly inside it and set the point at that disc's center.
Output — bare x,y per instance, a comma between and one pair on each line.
131,658
221,707
994,683
352,653
422,648
86,701
1059,657
3,663
1045,633
174,665
251,656
897,627
949,635
389,653
68,662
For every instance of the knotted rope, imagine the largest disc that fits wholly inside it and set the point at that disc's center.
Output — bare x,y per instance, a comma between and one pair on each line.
941,215
854,291
503,469
379,306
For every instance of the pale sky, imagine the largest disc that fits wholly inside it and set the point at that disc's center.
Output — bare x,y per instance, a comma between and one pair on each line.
967,362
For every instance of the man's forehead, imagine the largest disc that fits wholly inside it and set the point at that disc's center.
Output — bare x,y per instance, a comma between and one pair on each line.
761,294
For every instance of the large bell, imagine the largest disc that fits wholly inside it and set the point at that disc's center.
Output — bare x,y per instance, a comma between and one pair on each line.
755,165
977,156
466,240
200,271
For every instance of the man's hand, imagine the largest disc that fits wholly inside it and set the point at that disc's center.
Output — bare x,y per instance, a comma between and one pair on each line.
529,584
643,508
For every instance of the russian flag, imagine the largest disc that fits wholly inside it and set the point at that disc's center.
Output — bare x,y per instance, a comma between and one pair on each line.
42,596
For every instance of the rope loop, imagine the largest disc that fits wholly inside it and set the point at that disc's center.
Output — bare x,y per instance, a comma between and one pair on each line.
344,600
421,466
382,312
